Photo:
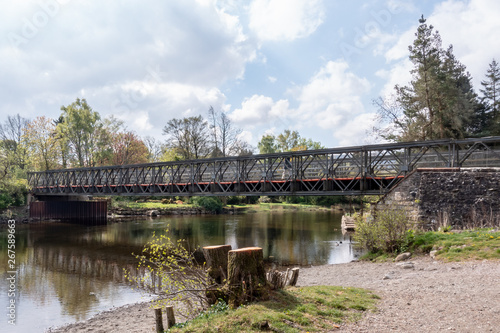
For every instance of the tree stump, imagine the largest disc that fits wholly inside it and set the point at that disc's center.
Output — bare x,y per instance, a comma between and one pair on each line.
246,275
295,276
216,259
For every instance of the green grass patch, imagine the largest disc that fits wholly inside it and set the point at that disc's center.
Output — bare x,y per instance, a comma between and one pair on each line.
460,246
310,309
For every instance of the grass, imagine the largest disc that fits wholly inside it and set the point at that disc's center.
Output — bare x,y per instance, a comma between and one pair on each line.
460,246
308,309
450,246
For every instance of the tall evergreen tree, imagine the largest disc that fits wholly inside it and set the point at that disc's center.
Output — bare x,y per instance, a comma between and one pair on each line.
491,97
439,101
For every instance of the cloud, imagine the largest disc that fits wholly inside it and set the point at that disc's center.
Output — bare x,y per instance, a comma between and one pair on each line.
274,20
466,25
471,27
259,110
327,103
150,63
332,96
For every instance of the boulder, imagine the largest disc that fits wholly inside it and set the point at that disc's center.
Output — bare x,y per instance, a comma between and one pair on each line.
153,213
403,256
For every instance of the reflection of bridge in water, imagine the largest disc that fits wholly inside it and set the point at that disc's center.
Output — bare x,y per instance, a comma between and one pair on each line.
361,170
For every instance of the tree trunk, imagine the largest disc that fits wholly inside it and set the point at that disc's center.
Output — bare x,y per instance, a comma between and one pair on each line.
216,259
246,275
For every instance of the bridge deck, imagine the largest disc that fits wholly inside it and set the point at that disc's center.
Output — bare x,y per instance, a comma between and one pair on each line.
360,170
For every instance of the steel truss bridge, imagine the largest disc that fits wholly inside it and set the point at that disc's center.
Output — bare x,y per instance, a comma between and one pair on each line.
361,170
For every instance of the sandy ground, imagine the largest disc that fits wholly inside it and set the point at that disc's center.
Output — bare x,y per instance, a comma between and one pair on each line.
430,297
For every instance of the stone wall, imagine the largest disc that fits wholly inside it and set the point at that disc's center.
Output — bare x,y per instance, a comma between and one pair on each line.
461,197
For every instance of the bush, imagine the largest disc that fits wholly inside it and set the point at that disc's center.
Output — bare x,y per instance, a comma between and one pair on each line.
212,204
386,232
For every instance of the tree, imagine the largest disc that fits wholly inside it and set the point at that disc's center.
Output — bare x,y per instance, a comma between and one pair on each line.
11,133
267,144
188,137
225,137
81,126
286,141
438,103
127,148
40,139
155,149
491,96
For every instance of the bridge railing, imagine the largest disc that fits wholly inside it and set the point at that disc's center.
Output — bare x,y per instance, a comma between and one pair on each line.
351,170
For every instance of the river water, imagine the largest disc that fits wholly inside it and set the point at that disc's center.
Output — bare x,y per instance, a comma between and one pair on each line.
67,273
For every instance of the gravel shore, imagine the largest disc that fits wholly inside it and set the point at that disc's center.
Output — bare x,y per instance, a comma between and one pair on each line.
425,296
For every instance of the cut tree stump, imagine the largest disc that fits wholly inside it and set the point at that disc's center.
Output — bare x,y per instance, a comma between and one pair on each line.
246,275
216,259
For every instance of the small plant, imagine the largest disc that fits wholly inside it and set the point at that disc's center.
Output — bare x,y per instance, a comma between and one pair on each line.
386,231
169,269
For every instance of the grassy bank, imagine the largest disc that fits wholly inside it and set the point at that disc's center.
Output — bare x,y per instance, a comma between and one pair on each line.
449,246
305,309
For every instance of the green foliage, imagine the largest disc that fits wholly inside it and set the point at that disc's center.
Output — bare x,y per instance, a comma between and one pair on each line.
182,279
286,141
386,232
212,204
5,200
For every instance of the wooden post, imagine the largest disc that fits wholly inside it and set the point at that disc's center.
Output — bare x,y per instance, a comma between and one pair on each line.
246,275
216,258
170,316
159,321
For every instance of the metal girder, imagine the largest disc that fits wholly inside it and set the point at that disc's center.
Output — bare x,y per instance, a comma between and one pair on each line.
373,169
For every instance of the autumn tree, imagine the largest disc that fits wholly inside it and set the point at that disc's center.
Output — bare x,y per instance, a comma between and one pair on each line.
127,148
189,137
40,139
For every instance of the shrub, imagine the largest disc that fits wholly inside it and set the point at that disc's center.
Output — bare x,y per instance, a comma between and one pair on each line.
212,204
386,232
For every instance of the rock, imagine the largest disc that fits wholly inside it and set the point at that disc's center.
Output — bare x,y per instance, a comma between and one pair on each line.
403,256
387,277
433,254
153,213
406,265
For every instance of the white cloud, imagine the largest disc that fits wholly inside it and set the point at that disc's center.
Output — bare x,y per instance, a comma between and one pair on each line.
472,28
328,102
258,110
332,96
151,63
285,19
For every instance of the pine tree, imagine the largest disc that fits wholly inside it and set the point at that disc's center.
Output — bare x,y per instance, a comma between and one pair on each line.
439,101
491,97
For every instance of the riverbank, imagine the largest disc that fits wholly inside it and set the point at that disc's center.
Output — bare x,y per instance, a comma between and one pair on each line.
425,296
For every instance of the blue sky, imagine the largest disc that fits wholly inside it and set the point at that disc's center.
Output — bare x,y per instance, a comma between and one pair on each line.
308,65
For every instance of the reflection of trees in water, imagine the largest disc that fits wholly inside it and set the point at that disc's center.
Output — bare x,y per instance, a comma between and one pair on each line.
78,277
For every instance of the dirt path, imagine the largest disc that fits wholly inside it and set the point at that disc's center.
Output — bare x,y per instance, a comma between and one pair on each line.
430,297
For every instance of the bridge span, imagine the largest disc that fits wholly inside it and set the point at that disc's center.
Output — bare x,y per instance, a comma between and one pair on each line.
360,170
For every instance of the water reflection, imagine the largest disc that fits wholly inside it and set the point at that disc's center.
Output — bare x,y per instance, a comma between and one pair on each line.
67,272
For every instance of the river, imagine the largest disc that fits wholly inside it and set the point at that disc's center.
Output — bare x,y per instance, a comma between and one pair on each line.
67,273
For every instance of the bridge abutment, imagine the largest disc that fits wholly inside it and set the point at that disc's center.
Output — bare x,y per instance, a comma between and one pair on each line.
73,208
461,197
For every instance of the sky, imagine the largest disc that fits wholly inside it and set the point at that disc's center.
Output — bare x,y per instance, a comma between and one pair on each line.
314,66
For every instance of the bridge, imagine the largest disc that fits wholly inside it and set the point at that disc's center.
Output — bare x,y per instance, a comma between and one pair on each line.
360,170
